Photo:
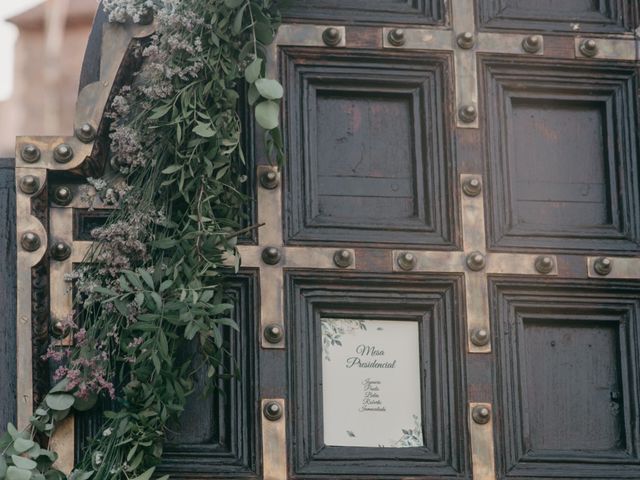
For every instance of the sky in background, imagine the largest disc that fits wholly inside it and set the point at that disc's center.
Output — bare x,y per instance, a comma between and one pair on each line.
8,34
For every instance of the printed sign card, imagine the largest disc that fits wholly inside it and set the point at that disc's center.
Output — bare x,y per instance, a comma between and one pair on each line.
371,383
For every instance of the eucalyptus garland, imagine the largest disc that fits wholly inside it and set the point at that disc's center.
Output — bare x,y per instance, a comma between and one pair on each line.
154,280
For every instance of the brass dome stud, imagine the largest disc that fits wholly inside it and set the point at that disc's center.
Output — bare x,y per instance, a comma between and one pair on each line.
476,261
603,266
532,44
272,411
30,153
63,153
468,113
407,261
481,414
271,255
472,187
58,330
30,241
269,180
396,37
331,36
60,251
544,264
343,258
480,337
466,40
273,333
588,48
86,133
62,195
29,184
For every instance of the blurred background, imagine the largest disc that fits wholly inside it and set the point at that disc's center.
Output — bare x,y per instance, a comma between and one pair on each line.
42,43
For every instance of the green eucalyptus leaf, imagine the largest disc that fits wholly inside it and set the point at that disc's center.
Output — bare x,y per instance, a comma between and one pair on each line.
146,475
264,33
22,462
84,404
59,401
204,130
233,3
61,386
3,466
267,114
15,473
21,445
253,95
237,21
270,89
253,71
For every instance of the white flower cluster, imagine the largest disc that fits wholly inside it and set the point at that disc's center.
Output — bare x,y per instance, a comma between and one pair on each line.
122,11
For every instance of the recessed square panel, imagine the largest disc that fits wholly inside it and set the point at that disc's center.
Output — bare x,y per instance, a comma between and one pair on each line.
567,378
560,15
215,436
560,174
572,372
426,12
369,151
371,383
376,375
562,149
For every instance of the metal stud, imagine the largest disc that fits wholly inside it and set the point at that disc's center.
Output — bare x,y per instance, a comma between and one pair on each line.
396,37
30,241
63,153
407,261
30,153
269,180
468,113
273,333
29,184
58,330
62,195
343,258
271,255
603,266
476,261
480,337
466,40
481,414
331,36
589,48
272,411
532,44
544,264
86,133
60,251
472,187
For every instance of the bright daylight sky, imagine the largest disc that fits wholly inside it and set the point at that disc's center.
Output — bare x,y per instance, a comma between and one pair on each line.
8,35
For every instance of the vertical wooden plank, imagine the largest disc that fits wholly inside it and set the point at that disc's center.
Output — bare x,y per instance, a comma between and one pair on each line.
7,292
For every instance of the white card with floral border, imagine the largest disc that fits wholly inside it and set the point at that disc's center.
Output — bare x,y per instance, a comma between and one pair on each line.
371,383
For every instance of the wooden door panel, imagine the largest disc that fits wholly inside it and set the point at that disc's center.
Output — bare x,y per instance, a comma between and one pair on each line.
217,434
368,11
565,15
567,378
561,147
434,306
370,158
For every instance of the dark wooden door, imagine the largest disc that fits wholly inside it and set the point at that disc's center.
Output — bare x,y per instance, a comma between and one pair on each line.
460,201
446,282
